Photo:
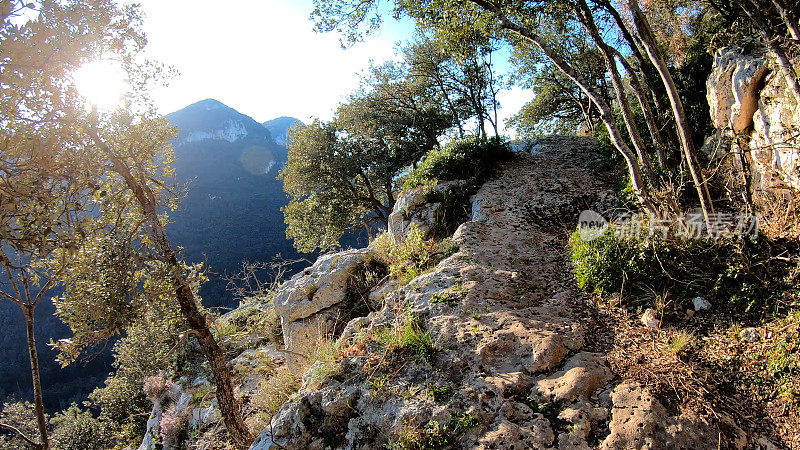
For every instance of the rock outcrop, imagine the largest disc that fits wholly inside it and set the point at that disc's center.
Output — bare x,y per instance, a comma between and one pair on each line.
750,101
317,302
413,208
515,364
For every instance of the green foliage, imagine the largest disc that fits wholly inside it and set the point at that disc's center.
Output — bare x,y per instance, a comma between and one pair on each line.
440,392
558,105
680,342
782,357
341,175
741,275
406,334
76,429
330,185
123,407
21,416
413,256
451,296
434,435
472,158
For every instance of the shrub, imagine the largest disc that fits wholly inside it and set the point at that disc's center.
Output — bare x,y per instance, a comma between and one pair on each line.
75,429
155,386
21,416
406,334
476,157
434,435
124,407
412,257
172,426
741,275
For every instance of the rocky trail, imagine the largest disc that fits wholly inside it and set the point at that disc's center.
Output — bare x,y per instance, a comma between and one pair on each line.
518,360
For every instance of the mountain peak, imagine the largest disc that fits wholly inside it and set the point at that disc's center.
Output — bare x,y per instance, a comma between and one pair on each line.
212,119
210,104
279,128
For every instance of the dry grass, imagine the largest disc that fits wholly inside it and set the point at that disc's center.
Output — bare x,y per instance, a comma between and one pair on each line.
703,367
271,395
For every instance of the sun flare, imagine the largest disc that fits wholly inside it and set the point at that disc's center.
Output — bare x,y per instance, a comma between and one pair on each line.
102,83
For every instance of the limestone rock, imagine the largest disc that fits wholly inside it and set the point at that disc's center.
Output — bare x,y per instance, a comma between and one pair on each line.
639,420
750,335
583,374
313,303
701,304
413,207
510,352
748,95
650,319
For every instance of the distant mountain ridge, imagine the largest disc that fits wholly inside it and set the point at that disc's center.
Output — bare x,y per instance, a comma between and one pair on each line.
232,211
279,128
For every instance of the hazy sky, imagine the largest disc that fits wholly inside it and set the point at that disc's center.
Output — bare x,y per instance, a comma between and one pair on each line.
262,57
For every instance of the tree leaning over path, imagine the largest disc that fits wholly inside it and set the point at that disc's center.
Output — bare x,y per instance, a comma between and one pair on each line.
542,25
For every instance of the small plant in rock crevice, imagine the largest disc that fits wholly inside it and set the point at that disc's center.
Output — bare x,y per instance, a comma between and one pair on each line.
434,435
412,257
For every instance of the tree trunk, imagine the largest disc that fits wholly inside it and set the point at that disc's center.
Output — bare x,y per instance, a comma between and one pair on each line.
646,68
787,19
771,42
582,11
684,133
605,111
228,405
786,68
649,118
41,422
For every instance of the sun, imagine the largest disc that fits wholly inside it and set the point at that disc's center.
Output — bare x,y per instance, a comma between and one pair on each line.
102,83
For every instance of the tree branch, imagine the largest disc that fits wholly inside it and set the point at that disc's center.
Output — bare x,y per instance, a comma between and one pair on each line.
21,435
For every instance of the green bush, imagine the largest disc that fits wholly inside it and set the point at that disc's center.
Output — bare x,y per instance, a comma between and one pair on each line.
75,429
412,257
472,159
742,275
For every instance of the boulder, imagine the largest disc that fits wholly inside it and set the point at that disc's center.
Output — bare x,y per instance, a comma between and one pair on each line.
315,303
650,319
413,207
701,304
748,97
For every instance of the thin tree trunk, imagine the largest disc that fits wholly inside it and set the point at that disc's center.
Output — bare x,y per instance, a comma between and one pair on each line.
605,111
228,405
634,44
586,18
786,68
771,43
684,133
27,306
452,107
649,118
787,19
41,422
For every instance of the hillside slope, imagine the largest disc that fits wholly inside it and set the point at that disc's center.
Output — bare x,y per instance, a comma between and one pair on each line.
232,211
518,360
